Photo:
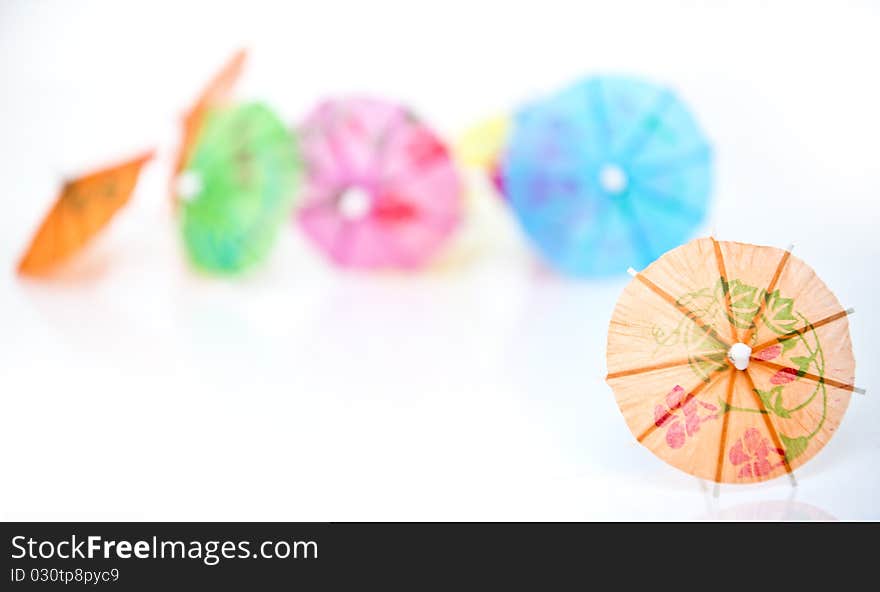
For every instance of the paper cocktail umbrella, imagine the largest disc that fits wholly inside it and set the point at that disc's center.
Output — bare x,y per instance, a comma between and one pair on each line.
381,189
84,206
481,146
245,170
731,361
608,172
237,179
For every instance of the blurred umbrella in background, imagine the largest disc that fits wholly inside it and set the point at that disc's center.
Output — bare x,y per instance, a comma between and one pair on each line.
731,361
236,178
84,207
381,190
481,146
608,173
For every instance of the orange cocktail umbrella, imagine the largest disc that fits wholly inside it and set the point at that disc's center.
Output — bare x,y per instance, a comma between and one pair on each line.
216,93
83,208
731,361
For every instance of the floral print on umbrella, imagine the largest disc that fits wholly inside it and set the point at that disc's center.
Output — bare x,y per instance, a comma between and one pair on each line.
754,455
677,431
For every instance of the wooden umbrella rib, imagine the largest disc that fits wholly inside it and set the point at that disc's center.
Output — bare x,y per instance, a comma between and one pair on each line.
644,369
687,312
753,326
771,429
722,270
724,425
691,394
820,379
808,327
653,367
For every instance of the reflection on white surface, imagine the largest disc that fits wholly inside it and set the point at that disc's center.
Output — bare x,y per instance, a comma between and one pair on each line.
773,510
787,509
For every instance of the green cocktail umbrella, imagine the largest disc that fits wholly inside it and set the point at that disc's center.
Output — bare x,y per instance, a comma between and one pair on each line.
237,188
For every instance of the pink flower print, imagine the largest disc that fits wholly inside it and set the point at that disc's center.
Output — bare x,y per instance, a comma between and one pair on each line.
768,353
751,453
389,207
425,148
784,376
676,430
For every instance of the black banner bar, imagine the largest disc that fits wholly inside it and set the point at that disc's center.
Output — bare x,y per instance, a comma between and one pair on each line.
246,556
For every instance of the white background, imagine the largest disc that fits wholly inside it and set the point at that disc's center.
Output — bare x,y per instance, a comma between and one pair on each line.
132,388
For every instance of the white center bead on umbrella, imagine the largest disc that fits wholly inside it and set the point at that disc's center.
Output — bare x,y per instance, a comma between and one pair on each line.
613,179
739,354
189,185
354,203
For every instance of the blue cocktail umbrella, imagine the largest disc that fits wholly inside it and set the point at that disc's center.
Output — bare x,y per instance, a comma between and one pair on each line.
607,174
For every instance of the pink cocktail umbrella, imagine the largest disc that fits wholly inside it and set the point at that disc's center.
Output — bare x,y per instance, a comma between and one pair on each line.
381,189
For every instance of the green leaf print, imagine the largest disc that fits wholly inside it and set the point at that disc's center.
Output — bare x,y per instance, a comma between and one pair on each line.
707,363
778,408
778,314
765,396
802,363
794,447
743,303
772,401
787,344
